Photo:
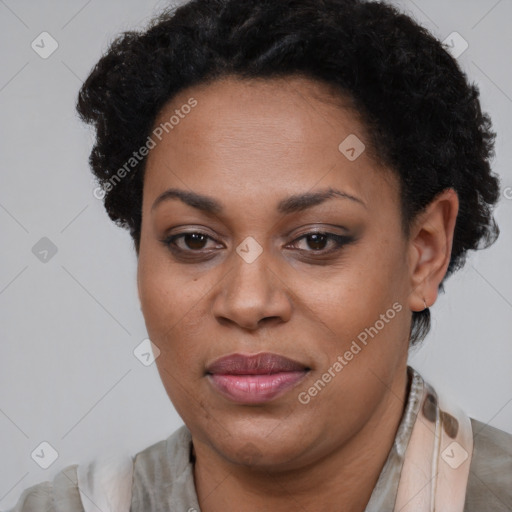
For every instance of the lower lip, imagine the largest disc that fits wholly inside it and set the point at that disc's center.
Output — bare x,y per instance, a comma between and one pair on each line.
255,389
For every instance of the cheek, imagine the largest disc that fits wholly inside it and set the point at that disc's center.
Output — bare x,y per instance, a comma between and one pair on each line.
171,312
165,294
362,310
353,297
365,309
174,308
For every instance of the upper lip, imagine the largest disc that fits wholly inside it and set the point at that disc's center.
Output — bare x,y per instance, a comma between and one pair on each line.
254,364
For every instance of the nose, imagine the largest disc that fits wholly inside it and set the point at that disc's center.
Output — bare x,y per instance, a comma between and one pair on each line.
252,295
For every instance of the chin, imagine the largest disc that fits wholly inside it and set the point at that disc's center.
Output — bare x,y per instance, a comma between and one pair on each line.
261,451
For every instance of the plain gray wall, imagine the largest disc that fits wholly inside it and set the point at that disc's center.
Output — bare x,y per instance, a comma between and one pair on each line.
69,326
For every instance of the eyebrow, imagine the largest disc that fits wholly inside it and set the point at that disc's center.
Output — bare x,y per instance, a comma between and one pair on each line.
292,204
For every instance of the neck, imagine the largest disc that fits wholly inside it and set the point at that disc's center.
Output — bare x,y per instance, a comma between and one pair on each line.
346,477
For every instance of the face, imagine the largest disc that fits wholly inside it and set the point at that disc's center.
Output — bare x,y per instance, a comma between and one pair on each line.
274,277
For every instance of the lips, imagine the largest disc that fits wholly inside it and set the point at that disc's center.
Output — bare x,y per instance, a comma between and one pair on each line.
254,379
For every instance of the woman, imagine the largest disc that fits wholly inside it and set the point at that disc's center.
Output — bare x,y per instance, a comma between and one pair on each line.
299,179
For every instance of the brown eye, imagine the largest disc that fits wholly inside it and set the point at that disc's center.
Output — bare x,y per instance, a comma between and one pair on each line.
319,242
188,242
195,240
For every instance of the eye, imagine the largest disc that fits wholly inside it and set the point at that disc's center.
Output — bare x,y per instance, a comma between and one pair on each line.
317,241
188,242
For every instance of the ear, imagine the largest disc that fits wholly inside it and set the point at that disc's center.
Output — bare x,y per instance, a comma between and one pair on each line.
430,248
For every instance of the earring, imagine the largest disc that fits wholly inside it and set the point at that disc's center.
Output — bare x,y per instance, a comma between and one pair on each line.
424,303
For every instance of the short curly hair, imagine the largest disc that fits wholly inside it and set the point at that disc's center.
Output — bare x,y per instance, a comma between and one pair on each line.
423,117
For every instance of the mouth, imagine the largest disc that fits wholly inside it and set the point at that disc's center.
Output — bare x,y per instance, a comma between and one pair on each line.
254,379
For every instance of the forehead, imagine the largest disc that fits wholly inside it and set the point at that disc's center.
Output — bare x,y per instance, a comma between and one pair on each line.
263,139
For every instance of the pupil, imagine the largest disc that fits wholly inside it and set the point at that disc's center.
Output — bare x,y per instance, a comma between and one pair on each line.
317,241
195,240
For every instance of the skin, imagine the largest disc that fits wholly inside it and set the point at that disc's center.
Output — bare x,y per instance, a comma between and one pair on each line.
249,145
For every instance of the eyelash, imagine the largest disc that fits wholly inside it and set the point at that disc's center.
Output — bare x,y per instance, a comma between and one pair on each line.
339,242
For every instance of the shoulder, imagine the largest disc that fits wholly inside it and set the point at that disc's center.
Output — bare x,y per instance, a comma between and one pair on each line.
59,495
490,476
159,474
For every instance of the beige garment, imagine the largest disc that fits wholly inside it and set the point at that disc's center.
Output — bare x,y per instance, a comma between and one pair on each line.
163,473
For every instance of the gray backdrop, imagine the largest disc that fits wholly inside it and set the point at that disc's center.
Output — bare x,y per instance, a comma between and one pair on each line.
70,317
